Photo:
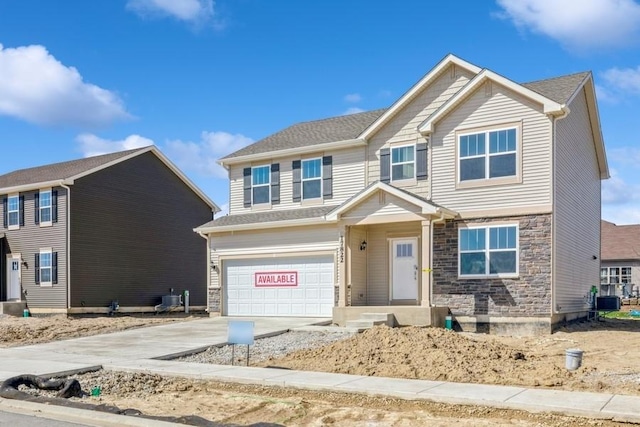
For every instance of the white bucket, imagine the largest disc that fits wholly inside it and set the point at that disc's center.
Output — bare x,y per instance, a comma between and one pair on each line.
573,358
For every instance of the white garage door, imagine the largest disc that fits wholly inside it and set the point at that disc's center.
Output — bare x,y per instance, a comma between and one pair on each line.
291,286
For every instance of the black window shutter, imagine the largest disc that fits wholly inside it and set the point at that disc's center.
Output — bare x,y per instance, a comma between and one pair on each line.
4,212
54,206
327,177
21,211
37,268
54,267
36,209
297,180
385,165
246,173
275,183
421,161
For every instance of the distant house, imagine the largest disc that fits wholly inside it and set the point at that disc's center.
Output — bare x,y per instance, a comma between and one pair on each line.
77,235
471,193
620,259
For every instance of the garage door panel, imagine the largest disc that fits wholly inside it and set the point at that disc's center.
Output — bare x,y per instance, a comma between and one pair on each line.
311,295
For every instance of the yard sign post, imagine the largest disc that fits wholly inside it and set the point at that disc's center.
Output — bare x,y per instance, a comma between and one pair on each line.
240,332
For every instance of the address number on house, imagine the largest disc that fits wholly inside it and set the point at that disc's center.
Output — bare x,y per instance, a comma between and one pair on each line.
276,278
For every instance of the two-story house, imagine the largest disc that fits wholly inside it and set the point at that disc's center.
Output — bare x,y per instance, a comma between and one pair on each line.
77,236
471,194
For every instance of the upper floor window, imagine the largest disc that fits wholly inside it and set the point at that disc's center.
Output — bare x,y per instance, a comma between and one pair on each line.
260,184
311,179
487,155
403,162
44,210
488,251
13,211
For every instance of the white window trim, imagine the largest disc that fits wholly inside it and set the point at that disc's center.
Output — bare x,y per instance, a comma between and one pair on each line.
487,181
50,222
391,164
488,251
50,282
268,185
302,179
15,226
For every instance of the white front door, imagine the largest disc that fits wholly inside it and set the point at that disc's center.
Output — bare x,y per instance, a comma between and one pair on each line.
404,269
13,278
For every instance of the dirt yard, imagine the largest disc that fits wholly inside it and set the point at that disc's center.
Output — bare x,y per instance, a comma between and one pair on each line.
610,364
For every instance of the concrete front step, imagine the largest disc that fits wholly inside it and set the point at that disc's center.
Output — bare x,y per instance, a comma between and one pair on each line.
361,324
13,308
386,318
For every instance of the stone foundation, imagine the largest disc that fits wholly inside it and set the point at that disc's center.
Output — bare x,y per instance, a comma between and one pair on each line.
215,301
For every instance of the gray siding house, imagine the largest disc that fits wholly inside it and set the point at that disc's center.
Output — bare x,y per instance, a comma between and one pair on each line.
470,194
77,235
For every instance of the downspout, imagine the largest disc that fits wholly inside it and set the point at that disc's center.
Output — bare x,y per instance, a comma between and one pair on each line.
565,113
68,244
435,221
201,234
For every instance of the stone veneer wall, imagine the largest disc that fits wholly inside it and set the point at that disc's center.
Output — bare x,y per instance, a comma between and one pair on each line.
526,296
215,301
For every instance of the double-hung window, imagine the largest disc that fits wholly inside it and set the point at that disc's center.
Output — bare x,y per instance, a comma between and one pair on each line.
403,162
13,211
488,251
260,184
45,207
312,179
488,155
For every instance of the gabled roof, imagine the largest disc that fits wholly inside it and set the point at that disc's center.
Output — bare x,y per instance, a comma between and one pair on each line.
619,242
67,172
267,219
427,207
560,89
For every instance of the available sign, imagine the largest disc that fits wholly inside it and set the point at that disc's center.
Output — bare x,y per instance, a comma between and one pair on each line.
276,278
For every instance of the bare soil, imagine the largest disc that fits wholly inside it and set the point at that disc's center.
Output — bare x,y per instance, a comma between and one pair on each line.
610,364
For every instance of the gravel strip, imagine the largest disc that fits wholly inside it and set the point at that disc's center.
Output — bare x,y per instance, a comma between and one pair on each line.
265,348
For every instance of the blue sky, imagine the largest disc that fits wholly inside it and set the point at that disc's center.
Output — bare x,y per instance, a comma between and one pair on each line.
202,78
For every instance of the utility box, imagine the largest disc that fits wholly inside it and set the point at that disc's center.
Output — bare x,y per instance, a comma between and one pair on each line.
610,302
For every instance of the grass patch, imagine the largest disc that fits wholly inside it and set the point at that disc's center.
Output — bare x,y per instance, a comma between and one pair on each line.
619,315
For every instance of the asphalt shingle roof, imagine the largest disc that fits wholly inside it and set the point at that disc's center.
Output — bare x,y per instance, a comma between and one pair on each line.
558,89
619,242
270,216
59,171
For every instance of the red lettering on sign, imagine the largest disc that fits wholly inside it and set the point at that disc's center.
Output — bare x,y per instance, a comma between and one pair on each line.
276,278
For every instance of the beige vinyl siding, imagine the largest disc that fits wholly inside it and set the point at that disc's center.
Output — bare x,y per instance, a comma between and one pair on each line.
381,204
403,127
28,240
576,219
489,106
358,277
347,173
378,257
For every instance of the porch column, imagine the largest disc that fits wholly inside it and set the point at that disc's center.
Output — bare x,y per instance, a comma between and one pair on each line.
426,264
342,263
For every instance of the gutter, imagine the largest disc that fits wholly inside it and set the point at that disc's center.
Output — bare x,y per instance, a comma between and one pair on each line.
262,226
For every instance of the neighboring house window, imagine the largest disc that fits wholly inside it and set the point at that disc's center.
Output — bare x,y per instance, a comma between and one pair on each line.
487,155
610,277
13,211
46,267
488,251
311,179
44,209
403,162
260,184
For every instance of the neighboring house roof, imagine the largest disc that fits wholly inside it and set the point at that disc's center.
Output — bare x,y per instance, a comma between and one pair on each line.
66,172
619,242
267,219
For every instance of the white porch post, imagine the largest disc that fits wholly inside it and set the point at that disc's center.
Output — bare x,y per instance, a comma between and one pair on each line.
426,264
342,263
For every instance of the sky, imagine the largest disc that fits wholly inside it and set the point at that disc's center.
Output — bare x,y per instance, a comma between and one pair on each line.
203,78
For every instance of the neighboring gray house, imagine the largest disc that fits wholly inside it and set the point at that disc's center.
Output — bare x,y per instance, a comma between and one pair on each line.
620,260
470,193
77,235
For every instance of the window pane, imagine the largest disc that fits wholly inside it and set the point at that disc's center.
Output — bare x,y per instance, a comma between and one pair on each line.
45,199
13,218
472,240
13,204
402,154
45,214
311,169
502,165
472,169
45,274
502,238
260,175
311,189
45,260
502,262
502,141
472,145
402,171
472,263
261,194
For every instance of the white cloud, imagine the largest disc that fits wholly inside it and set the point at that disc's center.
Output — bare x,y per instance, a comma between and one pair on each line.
92,145
37,88
622,81
195,11
353,110
201,156
353,97
578,24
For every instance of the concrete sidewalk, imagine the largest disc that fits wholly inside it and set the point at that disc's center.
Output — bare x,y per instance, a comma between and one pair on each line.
146,350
